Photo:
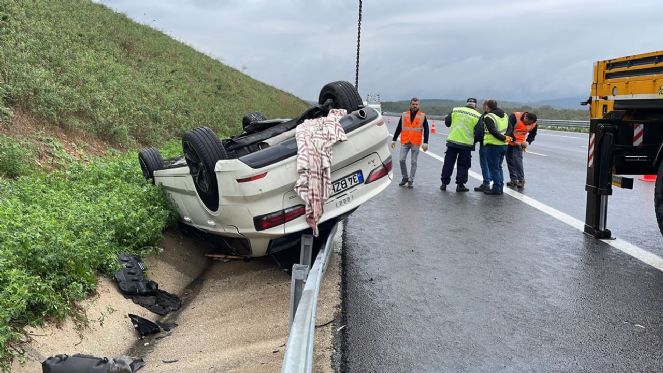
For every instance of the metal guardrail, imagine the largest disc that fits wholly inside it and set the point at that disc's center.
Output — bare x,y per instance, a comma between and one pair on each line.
542,122
304,304
563,123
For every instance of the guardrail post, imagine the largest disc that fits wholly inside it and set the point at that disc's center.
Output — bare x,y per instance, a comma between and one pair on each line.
306,253
305,289
299,275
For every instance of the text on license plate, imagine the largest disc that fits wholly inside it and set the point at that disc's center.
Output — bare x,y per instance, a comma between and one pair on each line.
347,182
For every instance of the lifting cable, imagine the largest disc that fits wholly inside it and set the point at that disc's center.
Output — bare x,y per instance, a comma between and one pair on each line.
358,42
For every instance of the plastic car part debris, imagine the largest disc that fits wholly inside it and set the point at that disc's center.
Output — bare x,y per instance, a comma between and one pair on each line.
131,278
90,364
132,282
161,303
225,258
144,326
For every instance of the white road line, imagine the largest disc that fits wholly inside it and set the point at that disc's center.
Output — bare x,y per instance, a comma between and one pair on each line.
548,133
619,244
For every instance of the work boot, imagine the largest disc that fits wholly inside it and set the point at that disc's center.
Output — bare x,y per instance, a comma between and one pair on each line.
409,185
460,188
512,183
520,184
443,187
403,182
481,188
493,192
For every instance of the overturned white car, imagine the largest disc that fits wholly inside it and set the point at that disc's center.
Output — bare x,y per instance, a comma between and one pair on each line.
242,188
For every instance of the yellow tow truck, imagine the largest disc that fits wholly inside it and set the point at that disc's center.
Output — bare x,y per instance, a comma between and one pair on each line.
626,133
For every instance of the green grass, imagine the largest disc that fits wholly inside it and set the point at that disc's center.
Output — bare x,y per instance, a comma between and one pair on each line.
16,157
80,65
59,230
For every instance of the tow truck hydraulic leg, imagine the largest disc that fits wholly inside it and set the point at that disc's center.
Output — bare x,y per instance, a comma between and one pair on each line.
599,178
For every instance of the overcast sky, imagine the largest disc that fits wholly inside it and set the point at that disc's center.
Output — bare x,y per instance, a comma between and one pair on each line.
515,50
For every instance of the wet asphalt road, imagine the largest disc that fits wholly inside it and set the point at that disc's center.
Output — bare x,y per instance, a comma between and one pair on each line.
445,282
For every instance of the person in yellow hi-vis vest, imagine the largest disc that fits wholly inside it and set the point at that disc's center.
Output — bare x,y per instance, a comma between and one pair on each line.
413,129
496,136
460,144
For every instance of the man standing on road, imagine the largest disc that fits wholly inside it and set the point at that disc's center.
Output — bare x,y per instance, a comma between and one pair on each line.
413,129
483,162
523,124
495,139
460,144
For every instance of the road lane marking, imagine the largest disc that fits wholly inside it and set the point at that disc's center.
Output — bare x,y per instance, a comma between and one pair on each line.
535,153
619,244
566,136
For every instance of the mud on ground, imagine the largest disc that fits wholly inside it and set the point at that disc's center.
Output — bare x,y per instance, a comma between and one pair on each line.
234,317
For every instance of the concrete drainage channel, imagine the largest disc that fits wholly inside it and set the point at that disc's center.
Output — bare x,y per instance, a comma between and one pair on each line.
234,316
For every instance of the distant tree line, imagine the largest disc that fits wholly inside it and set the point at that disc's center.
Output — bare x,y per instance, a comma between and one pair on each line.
443,107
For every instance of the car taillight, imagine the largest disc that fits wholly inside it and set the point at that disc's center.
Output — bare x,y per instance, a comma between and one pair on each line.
379,172
252,178
277,218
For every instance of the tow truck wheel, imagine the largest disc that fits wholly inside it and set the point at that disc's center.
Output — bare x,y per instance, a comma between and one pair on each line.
658,197
343,94
202,149
150,160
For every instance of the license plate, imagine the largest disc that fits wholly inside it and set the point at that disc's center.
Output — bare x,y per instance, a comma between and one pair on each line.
347,182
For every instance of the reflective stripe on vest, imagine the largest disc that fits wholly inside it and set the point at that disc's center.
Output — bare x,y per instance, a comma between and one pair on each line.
412,131
501,124
463,121
520,130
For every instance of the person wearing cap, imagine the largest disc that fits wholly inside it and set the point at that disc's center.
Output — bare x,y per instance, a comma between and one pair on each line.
496,136
460,144
413,130
524,132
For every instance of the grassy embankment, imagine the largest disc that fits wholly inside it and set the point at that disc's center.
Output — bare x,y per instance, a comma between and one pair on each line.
79,86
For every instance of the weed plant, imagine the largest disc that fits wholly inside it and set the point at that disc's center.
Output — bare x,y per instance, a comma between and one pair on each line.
80,65
59,231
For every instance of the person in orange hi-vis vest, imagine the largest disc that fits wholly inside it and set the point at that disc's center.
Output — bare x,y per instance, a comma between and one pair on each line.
524,132
413,130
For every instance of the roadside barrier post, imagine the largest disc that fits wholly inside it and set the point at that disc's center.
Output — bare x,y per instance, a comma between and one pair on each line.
299,348
299,275
306,252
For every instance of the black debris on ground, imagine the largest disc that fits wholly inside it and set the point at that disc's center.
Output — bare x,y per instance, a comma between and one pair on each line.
132,283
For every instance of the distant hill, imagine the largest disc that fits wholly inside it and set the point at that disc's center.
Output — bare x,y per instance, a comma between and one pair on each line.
562,103
444,106
79,65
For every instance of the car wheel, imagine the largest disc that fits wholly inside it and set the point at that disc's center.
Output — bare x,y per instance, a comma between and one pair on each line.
343,94
658,197
202,149
249,118
150,160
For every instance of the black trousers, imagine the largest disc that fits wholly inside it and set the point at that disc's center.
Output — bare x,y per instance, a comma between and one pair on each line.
463,160
514,161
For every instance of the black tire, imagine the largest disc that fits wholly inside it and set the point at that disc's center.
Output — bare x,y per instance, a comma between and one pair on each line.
343,94
202,149
249,118
658,197
150,160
